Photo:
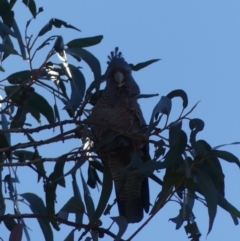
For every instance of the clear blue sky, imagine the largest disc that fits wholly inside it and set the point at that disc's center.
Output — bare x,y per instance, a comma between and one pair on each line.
199,44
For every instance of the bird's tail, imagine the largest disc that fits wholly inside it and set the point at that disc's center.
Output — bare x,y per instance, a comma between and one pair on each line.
133,208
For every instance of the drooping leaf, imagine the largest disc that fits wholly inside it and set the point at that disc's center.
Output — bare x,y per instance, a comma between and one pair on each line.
8,49
85,42
78,87
209,191
225,155
10,223
88,199
196,125
122,226
6,29
147,96
40,104
5,124
57,174
92,62
163,106
37,206
174,132
179,93
19,77
56,23
142,64
32,6
73,205
70,236
20,40
76,192
105,194
8,42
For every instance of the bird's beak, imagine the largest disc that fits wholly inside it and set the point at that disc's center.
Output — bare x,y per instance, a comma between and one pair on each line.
119,78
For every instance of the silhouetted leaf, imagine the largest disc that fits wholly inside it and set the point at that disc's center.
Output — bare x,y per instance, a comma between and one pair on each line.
179,93
163,106
57,23
174,132
10,223
73,205
92,62
32,6
209,191
70,236
85,42
105,194
40,104
20,40
57,175
19,77
76,192
78,87
196,125
8,49
225,155
142,64
88,199
6,29
95,97
37,206
147,96
122,226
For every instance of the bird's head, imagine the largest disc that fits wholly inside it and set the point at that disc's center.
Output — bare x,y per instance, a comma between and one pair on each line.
118,72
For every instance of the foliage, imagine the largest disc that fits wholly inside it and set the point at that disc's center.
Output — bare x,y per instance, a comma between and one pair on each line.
192,168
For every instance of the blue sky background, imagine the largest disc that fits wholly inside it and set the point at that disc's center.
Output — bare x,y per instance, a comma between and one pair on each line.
198,42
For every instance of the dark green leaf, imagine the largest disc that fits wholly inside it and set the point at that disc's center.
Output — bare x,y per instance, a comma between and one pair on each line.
147,95
50,197
73,205
19,38
143,64
56,112
163,106
88,199
85,42
16,233
5,124
209,191
76,192
32,6
57,23
105,194
19,77
179,93
122,226
39,103
78,87
91,181
171,157
70,236
57,175
7,49
8,42
196,125
174,133
6,29
37,206
10,223
223,203
225,155
59,45
92,62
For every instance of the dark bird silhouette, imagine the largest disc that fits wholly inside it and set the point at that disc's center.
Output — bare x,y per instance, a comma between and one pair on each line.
117,112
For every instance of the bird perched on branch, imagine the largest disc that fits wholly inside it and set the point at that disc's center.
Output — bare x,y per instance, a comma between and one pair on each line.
118,113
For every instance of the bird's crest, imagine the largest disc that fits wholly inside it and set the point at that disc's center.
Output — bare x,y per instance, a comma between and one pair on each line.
115,55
